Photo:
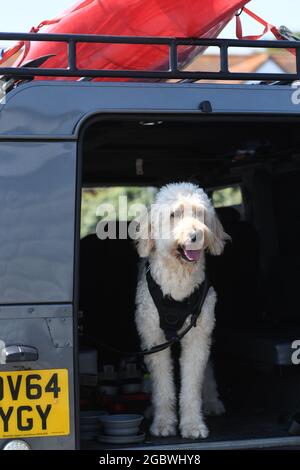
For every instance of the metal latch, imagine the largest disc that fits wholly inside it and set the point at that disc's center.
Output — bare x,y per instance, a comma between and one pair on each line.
288,34
17,353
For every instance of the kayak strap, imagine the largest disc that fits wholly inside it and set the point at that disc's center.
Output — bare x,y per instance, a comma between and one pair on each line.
268,27
239,29
8,53
11,51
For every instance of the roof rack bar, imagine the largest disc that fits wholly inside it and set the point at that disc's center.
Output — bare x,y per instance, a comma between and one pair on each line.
93,38
72,55
298,62
224,58
173,59
171,73
180,75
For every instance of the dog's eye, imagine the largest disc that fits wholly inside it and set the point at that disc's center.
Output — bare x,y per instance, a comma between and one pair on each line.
176,213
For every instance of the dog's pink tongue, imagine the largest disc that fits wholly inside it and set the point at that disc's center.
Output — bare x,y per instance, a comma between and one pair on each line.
192,255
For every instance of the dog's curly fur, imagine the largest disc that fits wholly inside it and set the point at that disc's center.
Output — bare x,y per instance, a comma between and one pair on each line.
178,277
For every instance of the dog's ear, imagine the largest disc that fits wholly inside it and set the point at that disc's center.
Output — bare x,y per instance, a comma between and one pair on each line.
217,236
144,238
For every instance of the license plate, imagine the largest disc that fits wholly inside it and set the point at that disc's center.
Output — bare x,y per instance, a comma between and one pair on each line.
34,403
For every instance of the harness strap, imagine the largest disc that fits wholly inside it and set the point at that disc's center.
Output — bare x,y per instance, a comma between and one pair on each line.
162,346
173,313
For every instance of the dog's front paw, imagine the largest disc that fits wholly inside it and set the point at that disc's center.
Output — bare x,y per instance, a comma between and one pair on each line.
214,408
164,427
194,430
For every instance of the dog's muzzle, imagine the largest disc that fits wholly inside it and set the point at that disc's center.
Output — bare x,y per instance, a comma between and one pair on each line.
191,256
191,250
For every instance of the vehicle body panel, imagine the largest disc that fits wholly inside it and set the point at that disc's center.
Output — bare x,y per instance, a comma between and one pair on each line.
39,129
57,109
37,190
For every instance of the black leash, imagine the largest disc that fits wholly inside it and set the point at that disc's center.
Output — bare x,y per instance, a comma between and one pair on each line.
160,347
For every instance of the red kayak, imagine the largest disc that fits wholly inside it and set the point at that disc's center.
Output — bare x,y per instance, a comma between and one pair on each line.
171,18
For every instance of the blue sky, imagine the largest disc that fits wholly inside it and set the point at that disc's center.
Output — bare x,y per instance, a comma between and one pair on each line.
20,15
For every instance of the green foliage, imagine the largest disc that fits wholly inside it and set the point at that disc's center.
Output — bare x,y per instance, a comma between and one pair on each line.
227,197
93,198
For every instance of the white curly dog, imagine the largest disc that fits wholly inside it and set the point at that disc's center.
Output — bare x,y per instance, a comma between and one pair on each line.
174,235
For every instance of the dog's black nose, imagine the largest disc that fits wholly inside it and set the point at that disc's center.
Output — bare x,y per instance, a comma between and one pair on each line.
194,237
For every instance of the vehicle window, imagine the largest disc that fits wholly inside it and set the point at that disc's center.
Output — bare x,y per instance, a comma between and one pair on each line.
93,198
227,197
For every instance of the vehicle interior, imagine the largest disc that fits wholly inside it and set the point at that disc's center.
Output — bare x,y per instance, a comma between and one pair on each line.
256,159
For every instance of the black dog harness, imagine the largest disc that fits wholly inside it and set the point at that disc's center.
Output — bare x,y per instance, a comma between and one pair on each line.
172,313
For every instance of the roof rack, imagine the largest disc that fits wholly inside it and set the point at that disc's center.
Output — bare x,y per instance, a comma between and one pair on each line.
172,43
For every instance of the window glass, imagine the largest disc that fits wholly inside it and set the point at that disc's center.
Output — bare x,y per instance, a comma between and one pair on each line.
93,198
227,197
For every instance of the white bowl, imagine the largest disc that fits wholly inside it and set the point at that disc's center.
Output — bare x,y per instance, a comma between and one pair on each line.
121,424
